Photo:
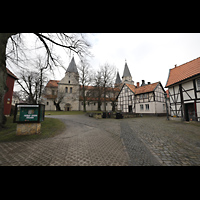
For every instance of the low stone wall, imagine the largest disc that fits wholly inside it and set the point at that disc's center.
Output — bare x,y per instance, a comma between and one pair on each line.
97,115
28,129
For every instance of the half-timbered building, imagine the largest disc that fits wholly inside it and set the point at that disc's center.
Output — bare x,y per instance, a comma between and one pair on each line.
184,90
145,99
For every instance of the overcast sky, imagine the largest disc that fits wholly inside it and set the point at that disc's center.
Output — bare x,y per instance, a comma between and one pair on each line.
149,55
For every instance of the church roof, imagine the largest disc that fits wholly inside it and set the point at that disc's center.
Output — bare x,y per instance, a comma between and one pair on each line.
126,71
118,80
72,66
52,83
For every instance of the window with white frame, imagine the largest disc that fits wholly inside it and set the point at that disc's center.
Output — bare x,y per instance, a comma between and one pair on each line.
141,107
147,106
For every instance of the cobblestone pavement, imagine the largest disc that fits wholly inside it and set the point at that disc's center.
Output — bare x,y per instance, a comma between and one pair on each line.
109,142
139,153
86,141
173,143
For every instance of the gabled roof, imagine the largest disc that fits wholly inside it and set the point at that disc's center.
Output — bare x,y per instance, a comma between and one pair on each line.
183,72
11,74
143,89
126,71
52,83
72,66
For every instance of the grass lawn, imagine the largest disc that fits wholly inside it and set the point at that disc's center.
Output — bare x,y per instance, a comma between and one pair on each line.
70,112
49,128
64,112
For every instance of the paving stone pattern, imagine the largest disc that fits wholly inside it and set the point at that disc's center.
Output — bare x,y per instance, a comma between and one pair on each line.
139,153
86,142
142,141
173,143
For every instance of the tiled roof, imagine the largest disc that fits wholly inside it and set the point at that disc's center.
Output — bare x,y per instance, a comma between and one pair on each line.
143,89
132,87
50,96
107,88
183,72
96,99
52,83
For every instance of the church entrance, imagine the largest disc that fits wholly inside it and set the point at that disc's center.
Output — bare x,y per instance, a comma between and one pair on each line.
67,107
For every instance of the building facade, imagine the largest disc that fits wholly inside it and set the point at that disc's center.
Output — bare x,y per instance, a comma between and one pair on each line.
141,99
8,96
68,91
144,99
184,90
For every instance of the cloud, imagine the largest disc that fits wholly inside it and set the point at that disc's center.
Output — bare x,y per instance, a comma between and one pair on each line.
149,56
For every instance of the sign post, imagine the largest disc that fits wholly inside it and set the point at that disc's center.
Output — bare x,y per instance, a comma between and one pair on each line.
28,118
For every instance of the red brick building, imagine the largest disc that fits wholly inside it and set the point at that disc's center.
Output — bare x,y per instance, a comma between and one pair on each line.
8,96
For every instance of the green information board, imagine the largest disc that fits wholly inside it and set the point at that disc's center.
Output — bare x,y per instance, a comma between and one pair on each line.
25,113
29,113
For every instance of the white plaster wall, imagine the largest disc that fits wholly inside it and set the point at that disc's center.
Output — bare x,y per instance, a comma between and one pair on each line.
50,106
151,108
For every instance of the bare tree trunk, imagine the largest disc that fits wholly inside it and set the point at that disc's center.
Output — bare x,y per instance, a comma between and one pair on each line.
3,73
84,99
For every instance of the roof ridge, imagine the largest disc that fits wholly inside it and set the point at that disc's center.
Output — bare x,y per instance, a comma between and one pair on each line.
186,63
184,71
149,84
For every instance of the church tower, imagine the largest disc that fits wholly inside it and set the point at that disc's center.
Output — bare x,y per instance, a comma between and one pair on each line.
118,80
68,88
127,78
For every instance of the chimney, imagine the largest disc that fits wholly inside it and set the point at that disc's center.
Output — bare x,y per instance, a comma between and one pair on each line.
149,83
138,84
143,83
175,65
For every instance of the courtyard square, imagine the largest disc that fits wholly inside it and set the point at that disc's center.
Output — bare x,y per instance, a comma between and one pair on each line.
140,141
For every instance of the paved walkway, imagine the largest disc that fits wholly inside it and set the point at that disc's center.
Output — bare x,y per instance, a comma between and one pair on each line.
109,142
86,141
173,143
